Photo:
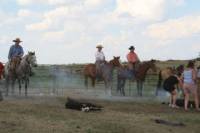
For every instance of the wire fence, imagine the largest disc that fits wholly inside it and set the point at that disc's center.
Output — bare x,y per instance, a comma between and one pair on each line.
55,79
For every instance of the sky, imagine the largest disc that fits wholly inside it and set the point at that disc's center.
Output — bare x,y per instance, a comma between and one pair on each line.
67,31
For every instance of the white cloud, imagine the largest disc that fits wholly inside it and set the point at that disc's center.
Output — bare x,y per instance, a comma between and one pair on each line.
142,9
4,39
25,2
179,2
59,35
24,13
45,2
92,4
175,28
39,26
56,18
57,2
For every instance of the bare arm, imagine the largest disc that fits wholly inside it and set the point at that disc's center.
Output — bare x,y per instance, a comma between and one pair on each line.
194,75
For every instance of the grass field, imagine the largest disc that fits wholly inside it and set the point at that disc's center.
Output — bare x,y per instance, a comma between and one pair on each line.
48,115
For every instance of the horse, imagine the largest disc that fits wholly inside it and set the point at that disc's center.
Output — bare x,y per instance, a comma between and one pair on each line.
139,75
21,72
107,71
166,73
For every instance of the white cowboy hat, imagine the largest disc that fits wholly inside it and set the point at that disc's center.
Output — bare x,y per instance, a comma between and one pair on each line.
99,46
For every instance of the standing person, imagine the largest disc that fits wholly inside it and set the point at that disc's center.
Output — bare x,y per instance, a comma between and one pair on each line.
16,50
198,81
189,85
170,86
99,60
1,69
132,58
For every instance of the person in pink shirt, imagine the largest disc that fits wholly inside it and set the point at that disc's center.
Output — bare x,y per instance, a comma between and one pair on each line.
1,70
132,58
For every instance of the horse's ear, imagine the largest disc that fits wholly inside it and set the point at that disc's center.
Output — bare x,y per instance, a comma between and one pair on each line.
118,57
114,57
34,53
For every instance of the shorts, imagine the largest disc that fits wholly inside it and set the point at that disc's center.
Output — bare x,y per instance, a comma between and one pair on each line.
169,84
189,88
169,88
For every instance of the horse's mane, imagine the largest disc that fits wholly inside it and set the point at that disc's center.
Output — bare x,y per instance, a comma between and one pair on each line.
24,58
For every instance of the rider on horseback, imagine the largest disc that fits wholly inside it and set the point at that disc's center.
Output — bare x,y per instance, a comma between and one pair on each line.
100,60
133,59
16,51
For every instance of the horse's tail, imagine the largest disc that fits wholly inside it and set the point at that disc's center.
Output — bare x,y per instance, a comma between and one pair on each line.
159,80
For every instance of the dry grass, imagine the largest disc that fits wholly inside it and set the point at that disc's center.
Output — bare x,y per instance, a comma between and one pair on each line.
46,115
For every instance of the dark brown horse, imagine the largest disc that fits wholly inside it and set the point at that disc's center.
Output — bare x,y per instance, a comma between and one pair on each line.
139,76
166,73
107,70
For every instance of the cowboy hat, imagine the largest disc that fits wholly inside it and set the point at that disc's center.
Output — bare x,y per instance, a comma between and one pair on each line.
99,46
131,47
17,40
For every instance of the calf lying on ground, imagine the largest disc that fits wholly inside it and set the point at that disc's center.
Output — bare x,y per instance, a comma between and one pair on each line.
82,106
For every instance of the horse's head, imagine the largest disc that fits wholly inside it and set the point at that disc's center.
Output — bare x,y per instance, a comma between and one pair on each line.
32,59
152,65
115,61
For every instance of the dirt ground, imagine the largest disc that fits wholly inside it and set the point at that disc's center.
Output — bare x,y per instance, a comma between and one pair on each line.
47,114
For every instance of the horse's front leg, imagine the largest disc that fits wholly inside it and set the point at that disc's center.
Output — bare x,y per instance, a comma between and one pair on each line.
123,87
139,87
118,85
108,87
86,81
13,86
141,90
7,85
26,85
20,86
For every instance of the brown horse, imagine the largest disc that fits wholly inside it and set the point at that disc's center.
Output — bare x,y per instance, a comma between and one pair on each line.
139,76
107,70
166,73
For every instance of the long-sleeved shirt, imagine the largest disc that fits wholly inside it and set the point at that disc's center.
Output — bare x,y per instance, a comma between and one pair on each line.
99,56
132,57
15,50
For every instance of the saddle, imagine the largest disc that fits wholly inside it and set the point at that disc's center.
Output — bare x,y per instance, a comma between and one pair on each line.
14,63
98,68
129,72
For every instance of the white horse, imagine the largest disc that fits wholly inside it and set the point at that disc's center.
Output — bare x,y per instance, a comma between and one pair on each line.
20,72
